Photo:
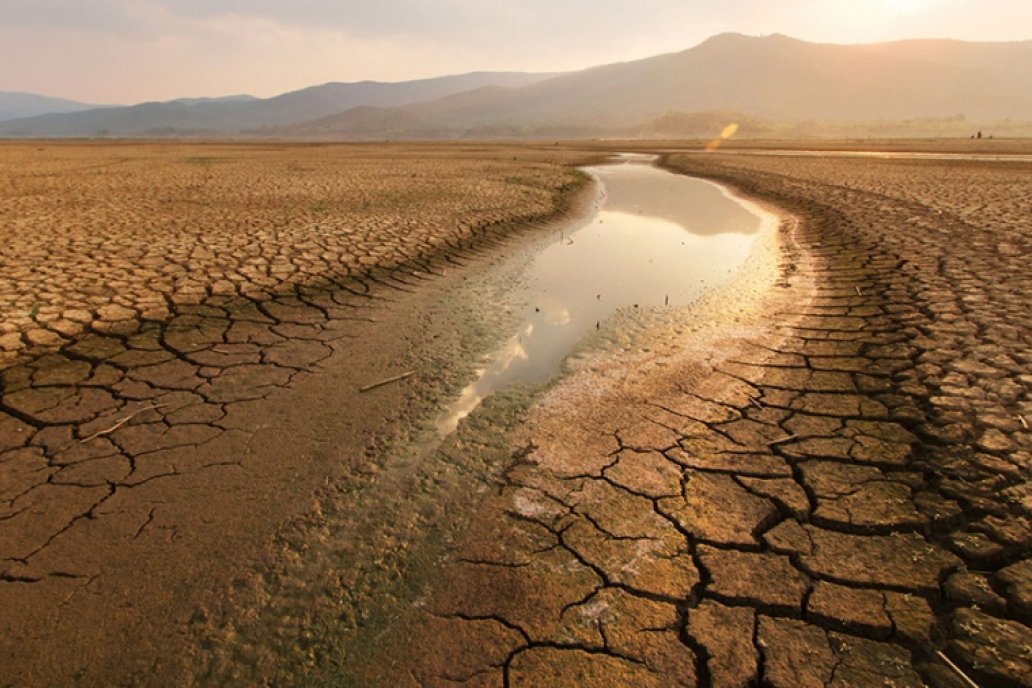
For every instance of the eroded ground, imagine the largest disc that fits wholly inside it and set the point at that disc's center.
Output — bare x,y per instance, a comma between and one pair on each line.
821,482
100,235
831,489
183,331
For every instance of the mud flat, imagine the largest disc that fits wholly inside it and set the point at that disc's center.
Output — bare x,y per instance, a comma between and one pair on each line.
516,603
655,239
376,553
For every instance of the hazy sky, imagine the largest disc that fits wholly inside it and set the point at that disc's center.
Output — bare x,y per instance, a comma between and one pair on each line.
129,51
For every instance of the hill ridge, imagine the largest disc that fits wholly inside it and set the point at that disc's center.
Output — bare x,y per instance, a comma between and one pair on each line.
776,79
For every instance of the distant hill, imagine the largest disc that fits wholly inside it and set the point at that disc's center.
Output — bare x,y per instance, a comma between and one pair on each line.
15,104
243,98
229,116
774,79
771,85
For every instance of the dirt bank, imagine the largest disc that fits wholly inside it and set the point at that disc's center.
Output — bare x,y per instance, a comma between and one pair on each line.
827,487
156,467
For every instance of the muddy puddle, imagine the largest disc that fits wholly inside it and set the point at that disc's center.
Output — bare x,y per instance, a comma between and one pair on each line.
655,239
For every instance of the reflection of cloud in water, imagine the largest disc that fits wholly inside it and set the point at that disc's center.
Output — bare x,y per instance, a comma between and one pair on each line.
690,235
510,354
555,313
463,406
558,318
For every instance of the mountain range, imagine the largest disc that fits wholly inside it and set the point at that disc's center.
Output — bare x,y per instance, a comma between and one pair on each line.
766,83
15,104
234,114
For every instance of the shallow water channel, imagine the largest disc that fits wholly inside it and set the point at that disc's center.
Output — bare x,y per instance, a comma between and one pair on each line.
375,550
655,239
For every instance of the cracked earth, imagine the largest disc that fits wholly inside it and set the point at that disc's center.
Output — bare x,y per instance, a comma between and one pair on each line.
169,315
830,489
824,484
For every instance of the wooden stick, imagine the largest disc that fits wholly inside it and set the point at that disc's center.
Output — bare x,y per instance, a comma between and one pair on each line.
782,440
957,669
1024,423
381,383
122,422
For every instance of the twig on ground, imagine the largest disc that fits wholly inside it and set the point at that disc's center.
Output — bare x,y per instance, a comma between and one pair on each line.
1024,423
381,383
122,422
957,669
782,440
858,292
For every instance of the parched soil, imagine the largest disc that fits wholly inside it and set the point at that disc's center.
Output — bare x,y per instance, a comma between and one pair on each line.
97,236
183,333
818,478
827,488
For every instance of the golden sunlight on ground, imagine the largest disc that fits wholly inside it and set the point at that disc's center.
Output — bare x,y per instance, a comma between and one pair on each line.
725,133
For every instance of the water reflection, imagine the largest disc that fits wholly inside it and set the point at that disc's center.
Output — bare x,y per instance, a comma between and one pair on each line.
659,239
698,206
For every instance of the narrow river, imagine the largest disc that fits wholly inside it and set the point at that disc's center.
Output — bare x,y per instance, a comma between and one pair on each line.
657,239
653,240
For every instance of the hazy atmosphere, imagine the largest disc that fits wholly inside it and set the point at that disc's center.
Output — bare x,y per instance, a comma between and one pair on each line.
128,51
538,344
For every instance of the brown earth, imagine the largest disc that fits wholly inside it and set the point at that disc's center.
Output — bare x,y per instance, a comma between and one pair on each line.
822,484
976,147
184,332
97,236
815,478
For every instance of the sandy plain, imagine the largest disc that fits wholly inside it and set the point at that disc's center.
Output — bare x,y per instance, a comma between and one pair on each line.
816,476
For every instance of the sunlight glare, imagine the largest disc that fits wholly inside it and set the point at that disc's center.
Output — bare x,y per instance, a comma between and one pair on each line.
905,6
726,133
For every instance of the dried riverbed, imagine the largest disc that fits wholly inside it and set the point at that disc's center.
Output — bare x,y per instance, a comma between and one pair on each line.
823,484
377,552
847,417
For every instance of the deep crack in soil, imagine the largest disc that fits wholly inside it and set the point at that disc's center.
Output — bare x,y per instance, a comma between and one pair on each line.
826,487
816,477
184,333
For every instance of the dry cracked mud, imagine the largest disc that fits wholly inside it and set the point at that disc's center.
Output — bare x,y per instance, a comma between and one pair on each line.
829,487
825,486
183,331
